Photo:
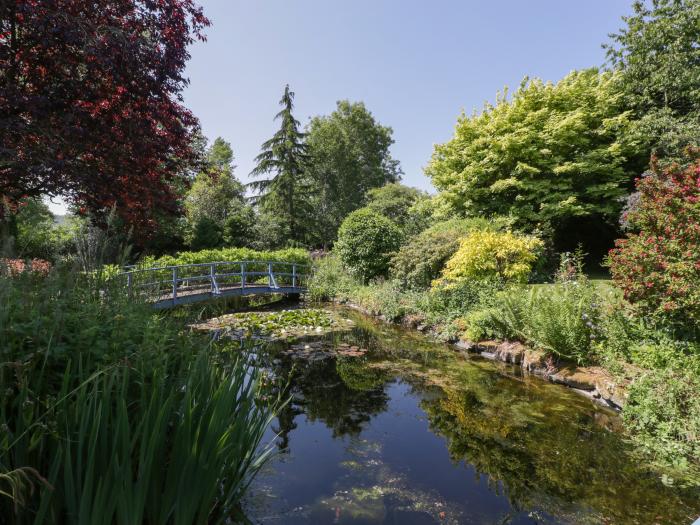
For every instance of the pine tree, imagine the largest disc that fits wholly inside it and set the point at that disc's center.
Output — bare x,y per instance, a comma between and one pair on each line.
284,156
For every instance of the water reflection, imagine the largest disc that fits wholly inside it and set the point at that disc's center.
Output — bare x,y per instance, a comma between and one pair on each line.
411,433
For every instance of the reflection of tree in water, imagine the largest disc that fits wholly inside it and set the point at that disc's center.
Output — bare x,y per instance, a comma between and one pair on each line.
541,458
344,401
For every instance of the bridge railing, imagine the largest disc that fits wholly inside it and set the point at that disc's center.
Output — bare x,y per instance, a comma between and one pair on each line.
218,278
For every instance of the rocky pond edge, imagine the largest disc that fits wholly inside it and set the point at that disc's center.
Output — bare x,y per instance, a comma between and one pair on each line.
594,382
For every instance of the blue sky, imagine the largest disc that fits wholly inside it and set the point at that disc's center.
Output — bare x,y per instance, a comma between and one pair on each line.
415,63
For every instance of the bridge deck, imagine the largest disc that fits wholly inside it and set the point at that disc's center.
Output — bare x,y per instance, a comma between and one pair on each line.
166,287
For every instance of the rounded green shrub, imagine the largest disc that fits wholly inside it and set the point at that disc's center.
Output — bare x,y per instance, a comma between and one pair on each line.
366,242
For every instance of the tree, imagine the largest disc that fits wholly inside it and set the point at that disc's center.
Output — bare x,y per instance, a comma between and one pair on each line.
348,155
206,234
397,202
284,156
366,243
239,227
213,194
91,105
554,157
216,197
658,58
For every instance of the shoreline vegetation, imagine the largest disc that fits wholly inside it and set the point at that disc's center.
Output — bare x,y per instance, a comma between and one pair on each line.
574,331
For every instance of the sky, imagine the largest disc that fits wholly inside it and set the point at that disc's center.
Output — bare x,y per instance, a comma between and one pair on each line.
416,64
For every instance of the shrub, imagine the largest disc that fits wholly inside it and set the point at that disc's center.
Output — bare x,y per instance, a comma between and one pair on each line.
663,412
330,280
489,254
421,260
366,243
445,303
292,255
657,267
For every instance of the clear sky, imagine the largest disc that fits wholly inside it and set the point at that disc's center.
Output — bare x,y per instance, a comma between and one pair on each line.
415,63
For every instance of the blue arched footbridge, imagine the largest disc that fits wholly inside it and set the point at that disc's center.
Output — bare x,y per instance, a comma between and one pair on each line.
168,286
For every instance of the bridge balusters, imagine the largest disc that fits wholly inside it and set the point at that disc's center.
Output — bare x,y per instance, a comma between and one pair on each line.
243,276
294,275
174,282
212,273
269,275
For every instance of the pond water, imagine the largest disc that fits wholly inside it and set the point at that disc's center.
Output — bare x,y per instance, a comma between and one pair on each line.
385,427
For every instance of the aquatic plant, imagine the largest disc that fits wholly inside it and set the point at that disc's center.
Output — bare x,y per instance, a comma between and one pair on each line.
111,413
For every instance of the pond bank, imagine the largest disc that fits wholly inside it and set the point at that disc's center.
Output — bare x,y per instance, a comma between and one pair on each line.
594,382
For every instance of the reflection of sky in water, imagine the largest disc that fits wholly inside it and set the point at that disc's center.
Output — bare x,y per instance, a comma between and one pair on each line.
442,440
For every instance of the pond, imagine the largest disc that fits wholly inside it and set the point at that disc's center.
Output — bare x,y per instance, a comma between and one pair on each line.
386,427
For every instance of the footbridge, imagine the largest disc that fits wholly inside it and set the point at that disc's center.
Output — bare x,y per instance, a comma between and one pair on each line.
169,286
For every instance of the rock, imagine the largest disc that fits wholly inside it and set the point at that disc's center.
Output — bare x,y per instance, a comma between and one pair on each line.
535,361
582,378
612,390
510,352
487,346
467,346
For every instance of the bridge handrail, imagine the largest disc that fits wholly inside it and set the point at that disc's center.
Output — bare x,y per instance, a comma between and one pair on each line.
216,279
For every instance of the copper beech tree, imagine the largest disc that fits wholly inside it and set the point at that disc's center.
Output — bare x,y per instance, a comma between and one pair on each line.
91,105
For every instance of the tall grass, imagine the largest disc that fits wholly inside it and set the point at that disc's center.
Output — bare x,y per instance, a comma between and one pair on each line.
111,413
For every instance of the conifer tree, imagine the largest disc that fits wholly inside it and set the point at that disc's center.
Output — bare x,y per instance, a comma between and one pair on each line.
283,156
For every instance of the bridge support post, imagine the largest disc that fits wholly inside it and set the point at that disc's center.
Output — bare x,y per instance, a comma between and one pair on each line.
174,283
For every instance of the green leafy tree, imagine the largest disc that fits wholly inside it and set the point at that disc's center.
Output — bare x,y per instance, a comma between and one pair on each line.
215,195
398,203
239,227
206,234
554,157
283,156
658,58
366,243
348,155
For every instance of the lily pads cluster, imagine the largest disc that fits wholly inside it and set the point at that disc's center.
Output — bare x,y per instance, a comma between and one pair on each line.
319,350
279,324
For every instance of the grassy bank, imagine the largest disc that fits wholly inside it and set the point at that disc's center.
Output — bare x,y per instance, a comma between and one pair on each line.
574,320
112,413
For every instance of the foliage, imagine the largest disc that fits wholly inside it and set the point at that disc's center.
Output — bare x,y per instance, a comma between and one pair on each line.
396,202
92,108
206,234
330,280
284,155
366,242
348,155
484,254
663,412
286,324
420,260
291,255
36,235
112,406
553,157
386,299
560,318
239,227
657,56
443,304
212,195
656,266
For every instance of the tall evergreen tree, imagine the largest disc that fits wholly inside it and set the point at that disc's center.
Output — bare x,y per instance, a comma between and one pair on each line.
283,156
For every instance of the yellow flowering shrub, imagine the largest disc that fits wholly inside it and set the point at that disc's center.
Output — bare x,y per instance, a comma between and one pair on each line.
486,254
